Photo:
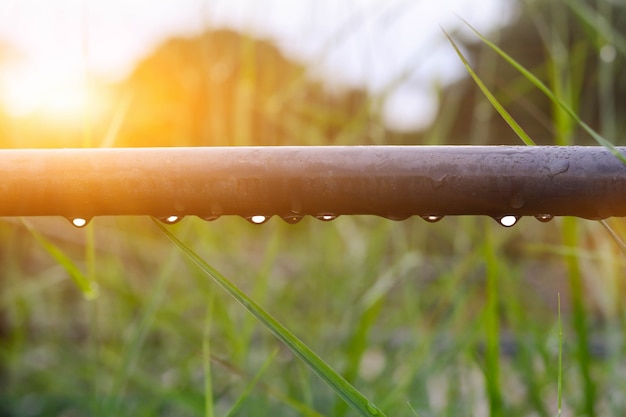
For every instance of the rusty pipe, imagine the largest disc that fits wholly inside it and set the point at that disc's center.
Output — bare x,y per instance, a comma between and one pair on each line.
390,181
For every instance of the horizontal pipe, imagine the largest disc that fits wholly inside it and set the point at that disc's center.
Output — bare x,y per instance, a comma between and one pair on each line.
390,181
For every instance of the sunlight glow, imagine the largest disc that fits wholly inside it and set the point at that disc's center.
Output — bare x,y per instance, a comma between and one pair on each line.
30,91
60,39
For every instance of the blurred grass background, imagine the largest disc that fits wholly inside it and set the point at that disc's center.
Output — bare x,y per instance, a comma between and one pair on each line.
453,318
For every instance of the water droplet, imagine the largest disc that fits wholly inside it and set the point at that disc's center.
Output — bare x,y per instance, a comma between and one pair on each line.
326,217
170,219
372,409
296,207
79,222
517,201
257,219
544,218
432,218
210,218
438,181
508,221
558,168
292,219
397,217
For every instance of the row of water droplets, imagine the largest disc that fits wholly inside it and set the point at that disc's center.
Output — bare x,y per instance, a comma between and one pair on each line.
256,219
506,221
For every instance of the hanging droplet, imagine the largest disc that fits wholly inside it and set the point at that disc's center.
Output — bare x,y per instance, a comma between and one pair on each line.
292,219
432,218
210,218
517,201
326,217
397,217
508,221
170,219
257,219
544,218
79,222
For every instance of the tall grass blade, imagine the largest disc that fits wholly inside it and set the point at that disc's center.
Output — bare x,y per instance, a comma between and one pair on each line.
206,360
492,323
616,238
133,350
369,308
492,99
560,371
544,89
579,317
252,384
297,405
88,287
343,388
117,121
599,22
413,410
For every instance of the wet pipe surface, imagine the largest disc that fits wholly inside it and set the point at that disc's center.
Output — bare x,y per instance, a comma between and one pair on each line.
396,182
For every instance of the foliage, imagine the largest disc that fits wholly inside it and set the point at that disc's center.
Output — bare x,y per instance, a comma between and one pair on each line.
459,317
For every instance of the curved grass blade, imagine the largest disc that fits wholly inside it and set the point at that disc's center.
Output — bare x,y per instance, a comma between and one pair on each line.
88,287
544,89
251,384
494,101
616,238
302,408
343,388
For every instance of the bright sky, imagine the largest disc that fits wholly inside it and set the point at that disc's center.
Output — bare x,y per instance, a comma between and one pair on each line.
363,42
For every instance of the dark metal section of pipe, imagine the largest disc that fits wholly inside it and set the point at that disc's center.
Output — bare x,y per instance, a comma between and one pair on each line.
389,181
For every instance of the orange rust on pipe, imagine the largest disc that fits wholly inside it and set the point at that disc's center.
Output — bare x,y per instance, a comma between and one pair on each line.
389,181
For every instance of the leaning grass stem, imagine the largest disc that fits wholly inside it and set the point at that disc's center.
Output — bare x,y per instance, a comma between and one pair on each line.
551,95
519,131
252,383
343,388
583,356
132,352
82,281
616,238
492,323
560,370
206,359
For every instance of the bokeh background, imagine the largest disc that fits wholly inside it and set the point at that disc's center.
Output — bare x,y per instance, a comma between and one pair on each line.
454,318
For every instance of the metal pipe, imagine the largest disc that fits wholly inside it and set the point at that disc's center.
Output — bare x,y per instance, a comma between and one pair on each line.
390,181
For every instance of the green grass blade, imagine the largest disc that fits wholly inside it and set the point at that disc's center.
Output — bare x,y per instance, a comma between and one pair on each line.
88,287
579,317
492,325
560,372
413,410
252,384
297,405
343,388
492,99
544,89
599,23
206,360
616,238
132,352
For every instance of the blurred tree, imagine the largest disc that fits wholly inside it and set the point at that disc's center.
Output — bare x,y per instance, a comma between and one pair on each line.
225,88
